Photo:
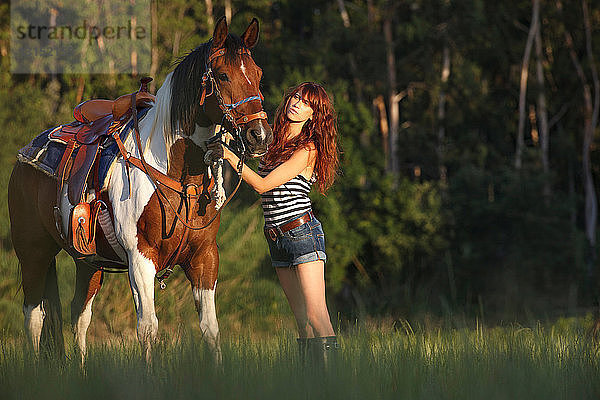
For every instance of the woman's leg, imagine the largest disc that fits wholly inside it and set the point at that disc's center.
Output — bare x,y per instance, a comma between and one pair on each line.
288,278
311,280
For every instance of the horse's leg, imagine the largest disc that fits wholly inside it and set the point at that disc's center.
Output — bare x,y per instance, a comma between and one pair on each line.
141,278
202,274
204,299
41,306
87,284
52,335
36,249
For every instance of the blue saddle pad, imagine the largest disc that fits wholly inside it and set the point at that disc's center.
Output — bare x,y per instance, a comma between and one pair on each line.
45,153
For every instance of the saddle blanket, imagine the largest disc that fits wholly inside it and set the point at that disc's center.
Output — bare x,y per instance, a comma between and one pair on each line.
45,152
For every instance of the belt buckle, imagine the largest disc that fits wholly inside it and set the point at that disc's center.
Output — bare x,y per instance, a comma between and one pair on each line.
272,234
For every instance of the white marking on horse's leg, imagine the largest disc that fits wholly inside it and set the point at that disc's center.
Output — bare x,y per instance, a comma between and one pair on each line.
204,299
81,327
243,67
127,208
34,320
141,278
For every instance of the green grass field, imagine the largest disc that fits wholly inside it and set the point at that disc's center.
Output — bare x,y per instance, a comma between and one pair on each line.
553,362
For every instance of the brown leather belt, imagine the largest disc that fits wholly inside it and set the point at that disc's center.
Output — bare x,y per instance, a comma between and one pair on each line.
280,230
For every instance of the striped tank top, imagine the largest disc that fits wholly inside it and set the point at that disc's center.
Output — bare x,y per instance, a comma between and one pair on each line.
287,201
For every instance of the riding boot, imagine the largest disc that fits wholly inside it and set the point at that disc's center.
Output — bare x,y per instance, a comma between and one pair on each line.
302,345
323,350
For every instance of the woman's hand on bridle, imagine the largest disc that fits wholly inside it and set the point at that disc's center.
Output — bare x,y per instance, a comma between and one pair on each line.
216,150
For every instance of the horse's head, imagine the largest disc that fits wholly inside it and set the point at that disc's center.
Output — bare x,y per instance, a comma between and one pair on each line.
219,83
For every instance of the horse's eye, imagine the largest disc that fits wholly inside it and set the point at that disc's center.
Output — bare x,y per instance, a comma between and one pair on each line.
223,77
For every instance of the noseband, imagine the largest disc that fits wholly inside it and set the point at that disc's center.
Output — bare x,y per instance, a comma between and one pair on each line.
229,110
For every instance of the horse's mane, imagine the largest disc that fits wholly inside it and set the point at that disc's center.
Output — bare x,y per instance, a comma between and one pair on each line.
186,85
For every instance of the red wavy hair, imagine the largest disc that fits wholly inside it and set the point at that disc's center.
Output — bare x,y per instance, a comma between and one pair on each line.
320,130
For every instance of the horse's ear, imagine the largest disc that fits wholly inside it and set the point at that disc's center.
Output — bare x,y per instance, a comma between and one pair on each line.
250,37
220,33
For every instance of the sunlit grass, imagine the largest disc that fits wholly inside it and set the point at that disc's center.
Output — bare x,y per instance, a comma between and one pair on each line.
553,362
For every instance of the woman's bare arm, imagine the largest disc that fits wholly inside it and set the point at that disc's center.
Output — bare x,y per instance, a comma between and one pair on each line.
283,173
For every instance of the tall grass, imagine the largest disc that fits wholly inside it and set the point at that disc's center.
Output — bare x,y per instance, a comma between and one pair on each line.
553,362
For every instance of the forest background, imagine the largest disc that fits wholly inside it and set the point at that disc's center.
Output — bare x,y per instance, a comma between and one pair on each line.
470,162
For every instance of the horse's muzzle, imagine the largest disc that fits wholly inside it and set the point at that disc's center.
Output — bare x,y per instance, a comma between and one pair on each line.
258,136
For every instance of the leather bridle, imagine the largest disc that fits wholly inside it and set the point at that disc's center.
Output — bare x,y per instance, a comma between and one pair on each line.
229,110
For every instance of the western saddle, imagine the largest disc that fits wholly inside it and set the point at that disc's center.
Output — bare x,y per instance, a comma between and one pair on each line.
95,122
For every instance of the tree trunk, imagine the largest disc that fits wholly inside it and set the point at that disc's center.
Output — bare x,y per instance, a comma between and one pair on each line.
177,37
80,89
393,98
53,89
379,104
442,112
133,54
154,49
209,16
52,24
542,113
370,13
592,66
523,86
228,11
351,58
344,13
590,121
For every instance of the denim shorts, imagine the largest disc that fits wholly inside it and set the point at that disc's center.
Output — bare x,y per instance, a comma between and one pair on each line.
302,244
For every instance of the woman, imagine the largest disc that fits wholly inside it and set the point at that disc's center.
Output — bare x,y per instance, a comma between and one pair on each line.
304,151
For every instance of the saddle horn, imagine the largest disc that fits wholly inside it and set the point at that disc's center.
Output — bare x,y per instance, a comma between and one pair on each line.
143,98
144,84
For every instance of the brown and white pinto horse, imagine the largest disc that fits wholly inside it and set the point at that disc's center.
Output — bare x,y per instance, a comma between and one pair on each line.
217,83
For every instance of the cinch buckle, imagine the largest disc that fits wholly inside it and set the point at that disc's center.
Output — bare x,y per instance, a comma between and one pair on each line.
272,234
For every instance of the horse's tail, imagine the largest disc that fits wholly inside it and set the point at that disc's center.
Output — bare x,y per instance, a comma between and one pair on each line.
52,334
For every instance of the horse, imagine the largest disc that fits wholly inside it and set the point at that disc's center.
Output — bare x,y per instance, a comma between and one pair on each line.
215,85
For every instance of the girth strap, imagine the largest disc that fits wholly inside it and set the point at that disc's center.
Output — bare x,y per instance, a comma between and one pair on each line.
191,198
